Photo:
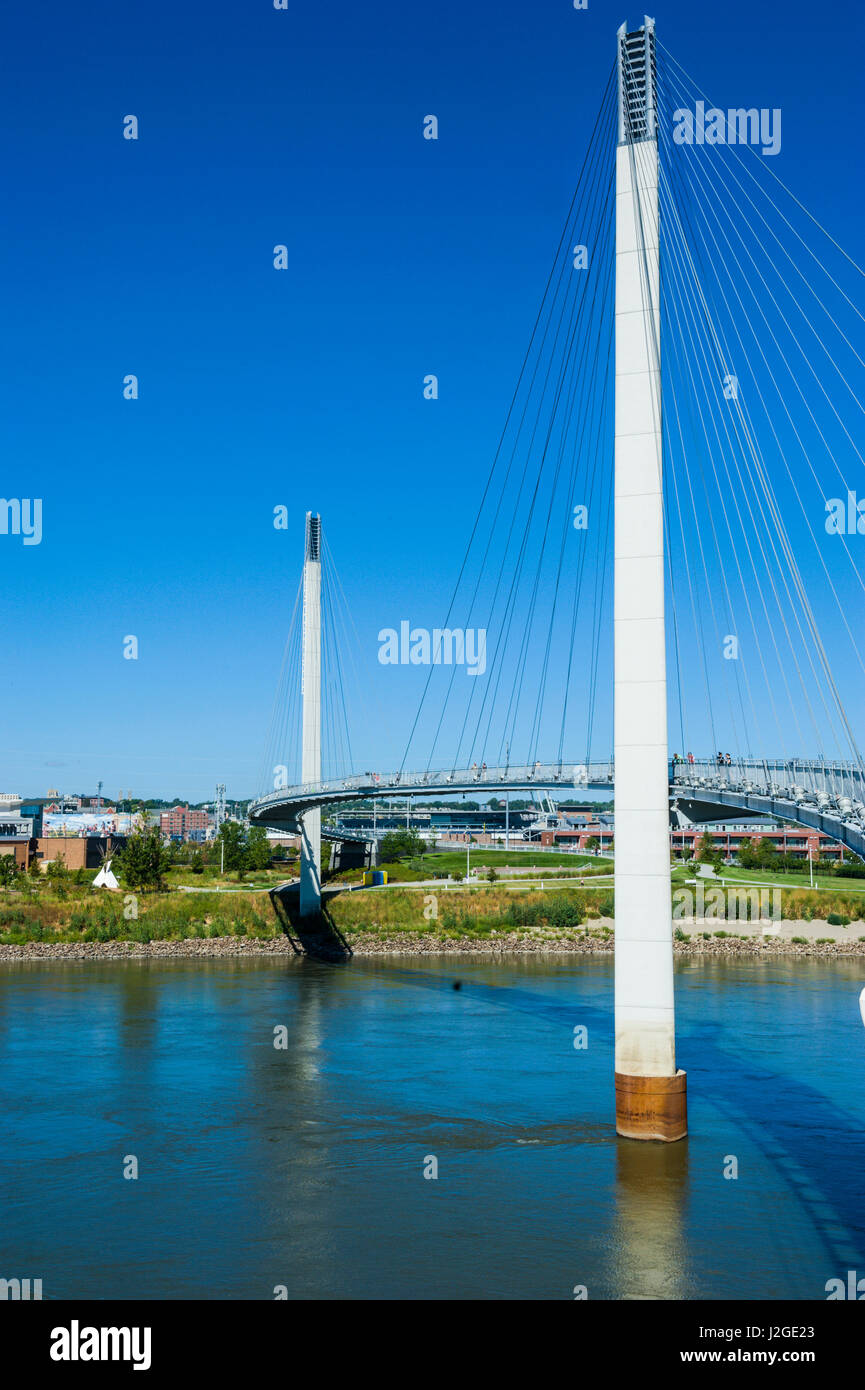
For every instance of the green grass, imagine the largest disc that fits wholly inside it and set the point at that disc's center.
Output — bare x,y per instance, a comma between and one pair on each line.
161,917
826,883
448,860
467,913
733,873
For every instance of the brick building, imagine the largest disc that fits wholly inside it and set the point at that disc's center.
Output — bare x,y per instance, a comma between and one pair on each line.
179,823
76,851
790,839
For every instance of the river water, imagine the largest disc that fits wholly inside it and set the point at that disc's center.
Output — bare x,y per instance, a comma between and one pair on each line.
300,1169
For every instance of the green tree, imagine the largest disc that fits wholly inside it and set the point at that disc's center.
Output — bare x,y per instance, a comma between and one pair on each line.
232,846
401,844
593,843
144,859
705,849
767,854
58,877
8,870
258,848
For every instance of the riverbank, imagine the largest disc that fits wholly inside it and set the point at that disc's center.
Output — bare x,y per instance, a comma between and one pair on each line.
490,920
399,943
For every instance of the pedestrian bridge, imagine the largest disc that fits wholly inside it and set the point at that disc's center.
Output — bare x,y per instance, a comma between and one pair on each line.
827,796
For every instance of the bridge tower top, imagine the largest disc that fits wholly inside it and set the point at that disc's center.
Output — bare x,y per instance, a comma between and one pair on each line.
637,84
313,537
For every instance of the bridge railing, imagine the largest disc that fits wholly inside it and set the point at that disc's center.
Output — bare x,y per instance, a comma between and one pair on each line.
837,786
833,788
529,774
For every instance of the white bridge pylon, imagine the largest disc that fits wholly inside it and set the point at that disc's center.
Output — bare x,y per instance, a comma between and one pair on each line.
650,1090
650,1087
309,823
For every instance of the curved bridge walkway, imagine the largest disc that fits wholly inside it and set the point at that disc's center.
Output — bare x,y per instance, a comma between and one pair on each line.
825,796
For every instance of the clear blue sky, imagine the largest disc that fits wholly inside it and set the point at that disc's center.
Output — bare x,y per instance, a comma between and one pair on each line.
258,388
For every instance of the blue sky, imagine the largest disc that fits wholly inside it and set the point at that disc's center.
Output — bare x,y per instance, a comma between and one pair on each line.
259,388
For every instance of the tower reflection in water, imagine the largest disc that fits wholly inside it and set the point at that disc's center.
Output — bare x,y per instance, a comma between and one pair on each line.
649,1257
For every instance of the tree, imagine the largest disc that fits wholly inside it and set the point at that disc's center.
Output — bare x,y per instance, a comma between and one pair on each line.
58,876
232,843
593,843
144,858
8,870
258,848
705,849
401,844
767,853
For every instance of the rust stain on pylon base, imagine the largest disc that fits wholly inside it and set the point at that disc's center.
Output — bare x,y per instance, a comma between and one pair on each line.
652,1107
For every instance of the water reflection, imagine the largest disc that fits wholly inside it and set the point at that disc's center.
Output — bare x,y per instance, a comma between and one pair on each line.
649,1256
303,1166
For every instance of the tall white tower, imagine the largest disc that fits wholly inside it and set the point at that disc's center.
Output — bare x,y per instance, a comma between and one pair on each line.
310,824
650,1092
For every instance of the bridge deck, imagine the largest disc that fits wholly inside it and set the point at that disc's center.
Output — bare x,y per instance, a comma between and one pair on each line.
825,796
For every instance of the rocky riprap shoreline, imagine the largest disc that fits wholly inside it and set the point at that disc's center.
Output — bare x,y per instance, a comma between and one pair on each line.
411,944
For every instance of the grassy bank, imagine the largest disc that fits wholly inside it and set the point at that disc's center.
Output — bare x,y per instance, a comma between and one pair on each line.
473,913
161,917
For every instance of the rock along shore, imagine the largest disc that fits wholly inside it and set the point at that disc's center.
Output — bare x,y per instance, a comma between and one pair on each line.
412,944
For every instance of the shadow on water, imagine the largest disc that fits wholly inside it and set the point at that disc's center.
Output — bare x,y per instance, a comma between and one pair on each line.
816,1148
821,1160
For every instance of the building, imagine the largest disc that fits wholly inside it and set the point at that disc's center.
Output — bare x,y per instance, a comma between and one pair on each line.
22,836
20,825
796,840
180,823
76,851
